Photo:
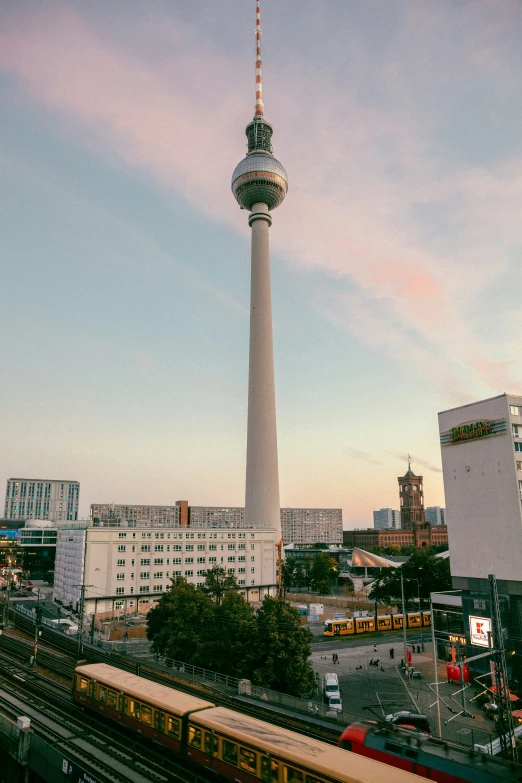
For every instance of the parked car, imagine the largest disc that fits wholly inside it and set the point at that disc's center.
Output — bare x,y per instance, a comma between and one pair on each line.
411,721
491,709
335,704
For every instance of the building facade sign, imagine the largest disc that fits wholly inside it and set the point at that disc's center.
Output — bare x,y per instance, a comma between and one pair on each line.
472,430
480,631
457,639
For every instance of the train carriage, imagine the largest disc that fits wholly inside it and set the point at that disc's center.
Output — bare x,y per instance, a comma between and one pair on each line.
154,710
246,749
385,622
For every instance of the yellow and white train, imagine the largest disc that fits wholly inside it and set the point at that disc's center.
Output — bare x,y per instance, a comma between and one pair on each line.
385,622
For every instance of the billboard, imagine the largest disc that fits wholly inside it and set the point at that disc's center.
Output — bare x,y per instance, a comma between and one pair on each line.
480,631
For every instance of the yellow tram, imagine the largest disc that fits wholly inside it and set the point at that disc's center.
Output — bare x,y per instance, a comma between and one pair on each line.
350,626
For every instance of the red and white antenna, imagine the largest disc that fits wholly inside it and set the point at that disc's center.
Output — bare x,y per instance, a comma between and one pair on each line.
259,65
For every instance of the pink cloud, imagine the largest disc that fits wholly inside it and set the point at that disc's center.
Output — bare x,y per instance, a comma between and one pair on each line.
344,214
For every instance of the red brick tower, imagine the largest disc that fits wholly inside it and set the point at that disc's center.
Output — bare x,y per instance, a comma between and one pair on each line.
412,506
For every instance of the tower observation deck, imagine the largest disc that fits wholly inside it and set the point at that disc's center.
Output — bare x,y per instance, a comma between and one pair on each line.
259,184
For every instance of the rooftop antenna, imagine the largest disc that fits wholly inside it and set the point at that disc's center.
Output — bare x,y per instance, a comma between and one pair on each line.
259,65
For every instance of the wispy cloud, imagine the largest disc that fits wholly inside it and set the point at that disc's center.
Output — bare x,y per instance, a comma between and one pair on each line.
375,202
415,461
363,456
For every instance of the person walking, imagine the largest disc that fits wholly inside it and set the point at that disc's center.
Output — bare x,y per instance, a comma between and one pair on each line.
375,648
392,653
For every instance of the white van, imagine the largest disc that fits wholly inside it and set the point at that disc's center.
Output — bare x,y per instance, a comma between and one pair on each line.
335,704
331,686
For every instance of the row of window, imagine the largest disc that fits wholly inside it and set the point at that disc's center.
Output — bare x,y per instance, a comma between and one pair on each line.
145,561
189,573
179,548
187,535
121,576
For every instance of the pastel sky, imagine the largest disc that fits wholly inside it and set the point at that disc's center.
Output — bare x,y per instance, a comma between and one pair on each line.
125,259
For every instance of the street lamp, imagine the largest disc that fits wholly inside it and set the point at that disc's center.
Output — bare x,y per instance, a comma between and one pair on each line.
420,610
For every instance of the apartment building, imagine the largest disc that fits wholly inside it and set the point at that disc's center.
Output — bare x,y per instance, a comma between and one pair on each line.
134,565
53,499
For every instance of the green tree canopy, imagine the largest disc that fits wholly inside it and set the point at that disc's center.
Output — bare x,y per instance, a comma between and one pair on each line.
229,636
423,574
218,582
49,578
323,572
281,648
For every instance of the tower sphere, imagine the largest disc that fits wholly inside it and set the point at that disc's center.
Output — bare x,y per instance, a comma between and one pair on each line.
259,179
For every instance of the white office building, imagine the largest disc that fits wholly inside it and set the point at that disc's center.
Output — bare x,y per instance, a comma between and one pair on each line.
132,566
435,515
386,518
53,499
481,447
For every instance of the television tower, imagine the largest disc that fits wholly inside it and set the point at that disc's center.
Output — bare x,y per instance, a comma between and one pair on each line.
259,184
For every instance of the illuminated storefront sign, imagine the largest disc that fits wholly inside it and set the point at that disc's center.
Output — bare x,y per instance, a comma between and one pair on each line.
457,639
480,631
473,430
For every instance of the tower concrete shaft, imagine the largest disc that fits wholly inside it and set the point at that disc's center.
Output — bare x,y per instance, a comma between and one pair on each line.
262,473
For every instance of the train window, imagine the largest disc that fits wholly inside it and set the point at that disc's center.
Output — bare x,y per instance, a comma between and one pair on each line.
134,709
173,726
211,744
248,760
269,770
391,747
84,685
291,775
159,721
312,779
411,754
194,737
102,694
112,698
229,752
146,715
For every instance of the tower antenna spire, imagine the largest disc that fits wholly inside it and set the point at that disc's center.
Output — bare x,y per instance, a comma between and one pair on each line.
259,65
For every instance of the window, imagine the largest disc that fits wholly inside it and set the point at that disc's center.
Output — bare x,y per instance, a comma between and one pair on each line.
241,582
145,561
134,709
159,721
252,558
241,559
231,570
145,547
120,577
158,561
84,685
146,714
102,694
157,588
291,775
120,563
194,737
518,446
144,589
248,760
189,573
232,559
159,535
252,569
202,573
252,546
146,535
212,547
514,427
122,535
189,547
211,744
173,726
212,559
158,548
176,573
132,575
158,575
514,410
112,698
232,546
120,590
189,560
269,770
241,570
176,561
241,546
121,548
201,547
229,752
144,574
176,547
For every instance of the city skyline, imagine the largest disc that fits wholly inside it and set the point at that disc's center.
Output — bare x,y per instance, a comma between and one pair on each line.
124,327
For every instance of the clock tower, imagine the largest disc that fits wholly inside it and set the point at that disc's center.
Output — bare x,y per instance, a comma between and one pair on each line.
411,500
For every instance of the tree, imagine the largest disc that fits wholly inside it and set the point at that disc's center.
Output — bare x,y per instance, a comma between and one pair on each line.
218,582
290,567
423,574
177,625
49,578
229,636
280,649
323,572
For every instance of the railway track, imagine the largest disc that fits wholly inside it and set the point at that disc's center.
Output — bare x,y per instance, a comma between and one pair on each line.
111,751
315,729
